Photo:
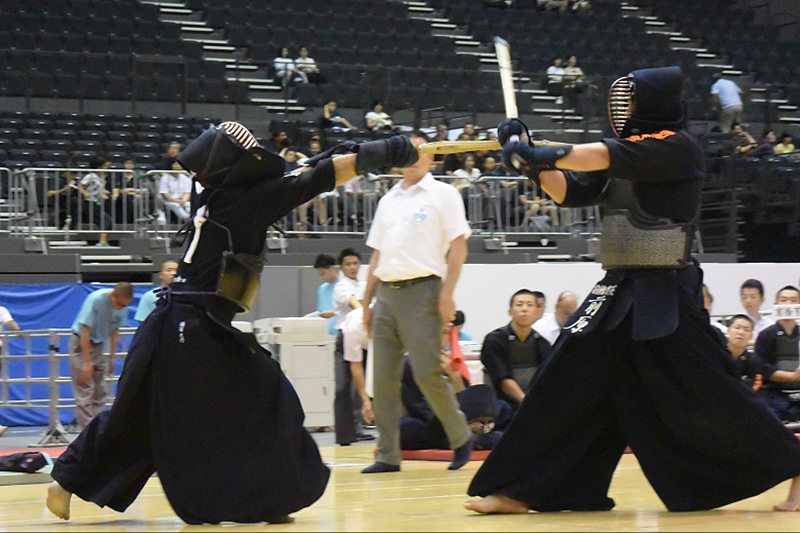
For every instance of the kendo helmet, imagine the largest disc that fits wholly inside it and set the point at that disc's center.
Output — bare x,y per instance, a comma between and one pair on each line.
647,101
227,155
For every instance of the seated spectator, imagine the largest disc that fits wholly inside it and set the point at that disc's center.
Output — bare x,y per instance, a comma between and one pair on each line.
421,430
468,174
453,162
549,326
574,80
469,132
285,69
441,132
331,119
290,155
555,79
377,119
581,6
786,145
740,333
96,205
512,354
458,323
173,150
708,300
176,188
742,141
777,350
752,296
279,141
767,144
306,65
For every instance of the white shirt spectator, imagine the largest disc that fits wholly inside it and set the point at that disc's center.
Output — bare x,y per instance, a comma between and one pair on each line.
761,324
95,187
466,178
354,335
381,120
5,318
728,92
174,186
303,64
555,74
548,327
412,229
283,65
344,289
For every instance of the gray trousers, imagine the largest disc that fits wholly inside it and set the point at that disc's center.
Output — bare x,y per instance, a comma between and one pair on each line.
346,402
90,398
408,319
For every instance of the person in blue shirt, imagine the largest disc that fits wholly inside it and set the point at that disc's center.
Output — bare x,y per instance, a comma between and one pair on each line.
98,321
326,268
148,301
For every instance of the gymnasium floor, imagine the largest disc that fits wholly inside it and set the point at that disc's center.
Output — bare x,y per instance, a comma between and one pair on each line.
423,497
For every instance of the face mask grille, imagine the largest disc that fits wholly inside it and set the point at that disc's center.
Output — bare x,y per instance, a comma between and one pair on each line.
241,134
619,103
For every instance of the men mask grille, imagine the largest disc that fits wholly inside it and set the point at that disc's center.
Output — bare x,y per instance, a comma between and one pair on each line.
239,133
619,103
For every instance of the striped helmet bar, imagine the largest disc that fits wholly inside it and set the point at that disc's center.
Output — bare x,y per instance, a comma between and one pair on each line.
619,103
240,134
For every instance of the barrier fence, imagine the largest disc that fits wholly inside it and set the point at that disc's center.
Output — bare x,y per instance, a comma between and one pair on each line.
56,200
40,378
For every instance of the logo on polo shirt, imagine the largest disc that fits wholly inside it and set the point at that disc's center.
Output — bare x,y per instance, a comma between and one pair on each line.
419,217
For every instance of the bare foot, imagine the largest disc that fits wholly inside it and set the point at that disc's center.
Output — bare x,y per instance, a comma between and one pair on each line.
282,520
788,505
792,502
497,504
58,500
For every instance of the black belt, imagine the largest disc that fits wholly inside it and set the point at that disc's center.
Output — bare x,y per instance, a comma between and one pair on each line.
408,282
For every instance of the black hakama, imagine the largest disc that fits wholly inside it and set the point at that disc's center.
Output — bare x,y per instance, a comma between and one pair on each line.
702,437
230,447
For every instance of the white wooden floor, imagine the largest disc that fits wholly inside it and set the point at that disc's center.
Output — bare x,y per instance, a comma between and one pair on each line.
423,497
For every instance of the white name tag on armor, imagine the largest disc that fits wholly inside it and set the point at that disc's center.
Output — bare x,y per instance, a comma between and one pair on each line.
780,311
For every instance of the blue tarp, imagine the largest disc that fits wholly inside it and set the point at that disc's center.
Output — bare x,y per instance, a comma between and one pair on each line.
44,306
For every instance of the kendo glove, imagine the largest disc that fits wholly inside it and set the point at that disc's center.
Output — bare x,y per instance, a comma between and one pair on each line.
536,158
510,127
343,148
396,151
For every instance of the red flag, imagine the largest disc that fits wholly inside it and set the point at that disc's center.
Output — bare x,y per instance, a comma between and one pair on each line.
459,364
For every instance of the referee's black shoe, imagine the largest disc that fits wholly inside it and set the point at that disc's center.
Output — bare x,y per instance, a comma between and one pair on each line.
462,454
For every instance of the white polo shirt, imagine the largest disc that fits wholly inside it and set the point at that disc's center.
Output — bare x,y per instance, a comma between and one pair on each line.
354,336
413,228
5,317
342,291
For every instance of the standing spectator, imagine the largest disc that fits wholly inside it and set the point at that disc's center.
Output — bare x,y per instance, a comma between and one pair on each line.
777,349
786,145
176,189
355,341
285,69
549,326
98,322
96,205
555,79
740,333
347,295
147,303
306,65
727,97
752,296
6,320
333,120
377,119
419,235
325,265
512,354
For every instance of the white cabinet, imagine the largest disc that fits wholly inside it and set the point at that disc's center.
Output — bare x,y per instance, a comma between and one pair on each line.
304,350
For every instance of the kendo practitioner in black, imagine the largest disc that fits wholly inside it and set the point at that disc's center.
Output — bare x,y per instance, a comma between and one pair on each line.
199,402
638,363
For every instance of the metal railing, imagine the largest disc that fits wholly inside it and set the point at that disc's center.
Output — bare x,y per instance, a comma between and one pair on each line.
57,201
44,381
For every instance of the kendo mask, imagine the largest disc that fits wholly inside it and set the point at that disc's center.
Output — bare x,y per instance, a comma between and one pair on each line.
647,101
229,155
